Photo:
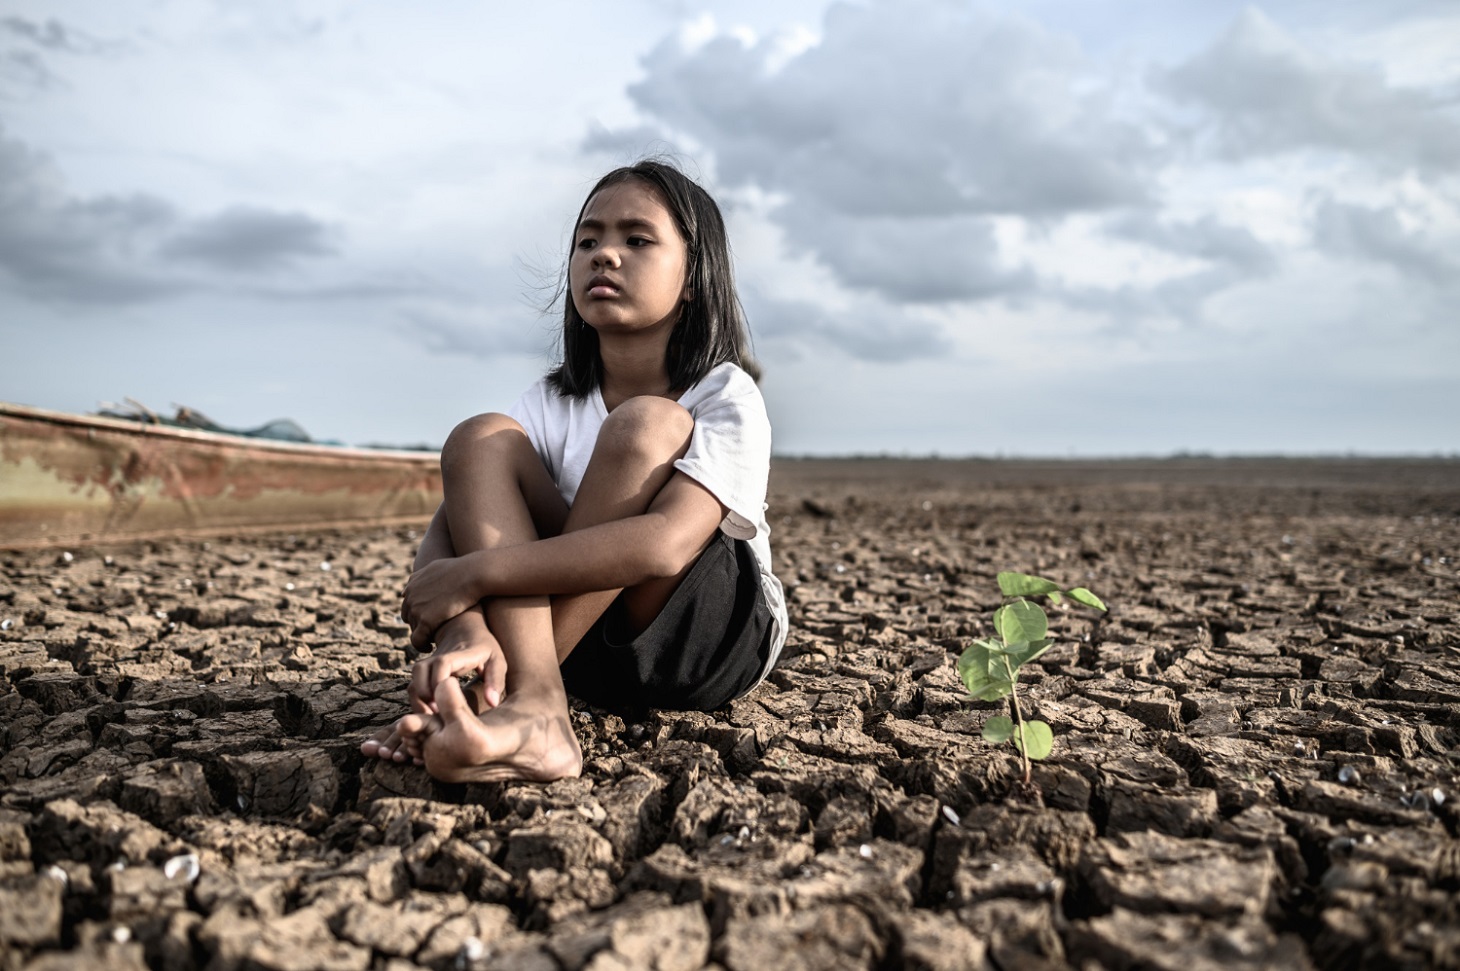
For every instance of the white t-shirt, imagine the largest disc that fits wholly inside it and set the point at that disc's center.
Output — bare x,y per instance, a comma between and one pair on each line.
729,454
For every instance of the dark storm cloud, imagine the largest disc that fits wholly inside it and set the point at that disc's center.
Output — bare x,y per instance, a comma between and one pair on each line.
1262,94
1377,235
246,239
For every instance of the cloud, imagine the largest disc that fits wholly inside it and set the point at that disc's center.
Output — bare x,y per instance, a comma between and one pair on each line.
629,143
879,333
1359,232
958,256
908,124
1263,94
1206,238
245,238
50,34
59,248
97,250
477,333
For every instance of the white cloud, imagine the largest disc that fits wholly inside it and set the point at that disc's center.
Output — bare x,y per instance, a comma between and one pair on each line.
1264,93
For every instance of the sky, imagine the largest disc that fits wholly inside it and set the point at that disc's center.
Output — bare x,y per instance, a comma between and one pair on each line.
1068,228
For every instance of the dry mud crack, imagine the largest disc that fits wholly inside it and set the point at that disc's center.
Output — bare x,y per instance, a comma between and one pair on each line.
1257,761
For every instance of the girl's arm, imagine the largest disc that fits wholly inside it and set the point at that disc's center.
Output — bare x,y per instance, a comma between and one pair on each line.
623,553
609,556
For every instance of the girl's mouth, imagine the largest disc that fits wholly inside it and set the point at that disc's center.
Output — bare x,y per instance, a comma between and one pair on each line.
602,286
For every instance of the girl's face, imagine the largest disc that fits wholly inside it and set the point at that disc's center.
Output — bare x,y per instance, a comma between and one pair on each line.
627,272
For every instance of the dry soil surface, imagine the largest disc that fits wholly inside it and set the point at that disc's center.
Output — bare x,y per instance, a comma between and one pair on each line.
1256,762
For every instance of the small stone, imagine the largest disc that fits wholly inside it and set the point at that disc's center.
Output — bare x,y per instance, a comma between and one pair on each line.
1348,775
325,566
472,951
121,934
66,557
6,624
865,851
184,865
950,815
288,586
1437,796
57,874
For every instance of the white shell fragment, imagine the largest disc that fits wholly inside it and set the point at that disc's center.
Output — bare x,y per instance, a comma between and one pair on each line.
865,851
1437,796
59,875
1348,775
326,566
472,951
184,866
6,624
121,934
951,816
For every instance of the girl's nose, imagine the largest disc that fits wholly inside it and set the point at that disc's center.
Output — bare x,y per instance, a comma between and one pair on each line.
605,256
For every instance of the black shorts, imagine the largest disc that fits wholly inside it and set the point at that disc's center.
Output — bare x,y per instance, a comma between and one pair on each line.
707,647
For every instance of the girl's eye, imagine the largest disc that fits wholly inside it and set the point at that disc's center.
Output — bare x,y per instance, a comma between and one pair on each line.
639,241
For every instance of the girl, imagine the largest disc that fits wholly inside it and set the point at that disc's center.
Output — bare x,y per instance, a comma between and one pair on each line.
607,535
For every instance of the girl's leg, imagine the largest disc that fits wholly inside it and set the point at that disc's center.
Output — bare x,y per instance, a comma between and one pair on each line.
497,494
633,459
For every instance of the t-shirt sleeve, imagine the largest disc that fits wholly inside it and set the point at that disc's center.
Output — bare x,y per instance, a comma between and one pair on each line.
730,455
530,411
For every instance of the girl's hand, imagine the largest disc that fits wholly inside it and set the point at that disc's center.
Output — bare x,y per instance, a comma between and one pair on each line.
464,644
437,592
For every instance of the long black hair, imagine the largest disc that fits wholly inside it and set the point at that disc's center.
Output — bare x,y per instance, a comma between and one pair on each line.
711,329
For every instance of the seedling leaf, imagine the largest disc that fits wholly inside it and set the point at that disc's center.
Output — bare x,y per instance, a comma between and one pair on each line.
984,671
998,729
1083,596
1024,585
1025,651
1020,621
1035,739
1055,597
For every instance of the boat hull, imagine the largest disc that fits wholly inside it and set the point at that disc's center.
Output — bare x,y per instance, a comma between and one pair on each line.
73,479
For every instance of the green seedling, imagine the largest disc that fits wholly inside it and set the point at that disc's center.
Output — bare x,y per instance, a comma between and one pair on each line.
990,667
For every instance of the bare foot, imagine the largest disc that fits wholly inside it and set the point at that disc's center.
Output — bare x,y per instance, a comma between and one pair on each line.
527,737
400,741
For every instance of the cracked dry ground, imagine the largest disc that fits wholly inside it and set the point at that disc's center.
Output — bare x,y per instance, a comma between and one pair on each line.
1255,762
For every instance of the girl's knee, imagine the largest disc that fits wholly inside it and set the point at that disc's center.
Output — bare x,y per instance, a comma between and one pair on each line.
469,439
647,425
